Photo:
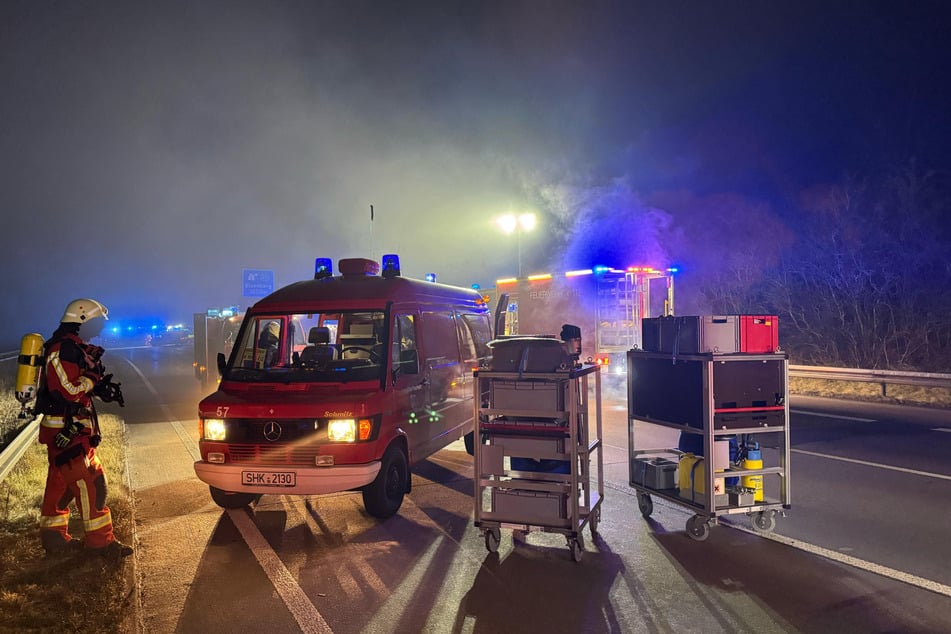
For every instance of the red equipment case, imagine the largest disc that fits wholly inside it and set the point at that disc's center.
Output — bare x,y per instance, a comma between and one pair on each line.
759,334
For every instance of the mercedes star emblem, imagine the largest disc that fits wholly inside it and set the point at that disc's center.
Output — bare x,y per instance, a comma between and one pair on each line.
272,431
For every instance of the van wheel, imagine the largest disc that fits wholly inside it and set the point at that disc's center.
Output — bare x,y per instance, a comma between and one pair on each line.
469,439
228,500
384,496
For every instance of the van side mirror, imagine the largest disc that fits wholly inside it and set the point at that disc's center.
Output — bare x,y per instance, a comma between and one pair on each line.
222,363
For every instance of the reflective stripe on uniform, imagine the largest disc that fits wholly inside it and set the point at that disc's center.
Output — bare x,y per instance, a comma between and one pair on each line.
56,422
84,385
54,521
99,522
83,501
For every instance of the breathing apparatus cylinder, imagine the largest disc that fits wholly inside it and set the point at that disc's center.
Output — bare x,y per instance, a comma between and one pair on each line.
28,367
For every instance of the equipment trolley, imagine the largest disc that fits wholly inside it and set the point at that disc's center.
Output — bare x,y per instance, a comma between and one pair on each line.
535,451
732,412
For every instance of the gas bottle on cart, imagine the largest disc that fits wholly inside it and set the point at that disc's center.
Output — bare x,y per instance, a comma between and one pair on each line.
754,460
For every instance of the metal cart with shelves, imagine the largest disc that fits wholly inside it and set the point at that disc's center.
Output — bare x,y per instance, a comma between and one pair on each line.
538,455
710,399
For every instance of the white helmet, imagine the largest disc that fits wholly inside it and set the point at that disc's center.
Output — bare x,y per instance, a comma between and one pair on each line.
79,311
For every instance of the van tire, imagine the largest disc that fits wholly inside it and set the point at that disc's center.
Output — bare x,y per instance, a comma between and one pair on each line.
228,500
469,439
384,496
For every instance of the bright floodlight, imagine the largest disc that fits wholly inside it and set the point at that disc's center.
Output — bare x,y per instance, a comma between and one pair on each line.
510,223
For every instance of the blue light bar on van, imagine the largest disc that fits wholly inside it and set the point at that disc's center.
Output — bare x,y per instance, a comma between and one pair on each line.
430,277
323,267
391,265
601,269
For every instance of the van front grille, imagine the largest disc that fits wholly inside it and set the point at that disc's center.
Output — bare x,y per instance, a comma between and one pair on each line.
276,455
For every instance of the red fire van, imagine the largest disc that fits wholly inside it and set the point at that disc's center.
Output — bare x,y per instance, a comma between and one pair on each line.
342,383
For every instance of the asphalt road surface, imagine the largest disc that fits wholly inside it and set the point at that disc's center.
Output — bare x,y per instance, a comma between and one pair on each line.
864,547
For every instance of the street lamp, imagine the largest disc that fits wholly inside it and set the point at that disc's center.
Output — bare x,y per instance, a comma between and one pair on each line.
522,222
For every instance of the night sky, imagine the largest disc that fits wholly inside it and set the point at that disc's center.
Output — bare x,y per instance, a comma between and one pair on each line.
151,151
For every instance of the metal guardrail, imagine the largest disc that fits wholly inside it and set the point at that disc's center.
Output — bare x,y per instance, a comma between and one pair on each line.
882,377
12,453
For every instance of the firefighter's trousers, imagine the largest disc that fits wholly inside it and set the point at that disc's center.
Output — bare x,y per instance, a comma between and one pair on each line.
80,478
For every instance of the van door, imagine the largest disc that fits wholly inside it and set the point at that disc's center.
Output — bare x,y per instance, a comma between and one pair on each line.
408,379
446,392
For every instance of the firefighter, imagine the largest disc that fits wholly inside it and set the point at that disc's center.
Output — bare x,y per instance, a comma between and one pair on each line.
72,374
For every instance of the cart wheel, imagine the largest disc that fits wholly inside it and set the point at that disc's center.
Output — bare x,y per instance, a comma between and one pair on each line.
645,504
764,521
577,549
594,520
698,528
492,538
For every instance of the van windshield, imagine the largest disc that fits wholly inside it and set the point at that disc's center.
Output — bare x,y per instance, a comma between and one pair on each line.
329,347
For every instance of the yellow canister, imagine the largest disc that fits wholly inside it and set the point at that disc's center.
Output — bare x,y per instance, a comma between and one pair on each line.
754,460
28,366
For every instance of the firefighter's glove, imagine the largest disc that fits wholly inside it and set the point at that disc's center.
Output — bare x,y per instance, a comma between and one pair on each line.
70,431
94,377
107,391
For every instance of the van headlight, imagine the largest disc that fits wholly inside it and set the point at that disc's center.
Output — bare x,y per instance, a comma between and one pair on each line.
214,429
349,429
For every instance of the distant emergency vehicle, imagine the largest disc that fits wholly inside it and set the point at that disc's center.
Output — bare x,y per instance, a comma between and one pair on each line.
608,305
342,383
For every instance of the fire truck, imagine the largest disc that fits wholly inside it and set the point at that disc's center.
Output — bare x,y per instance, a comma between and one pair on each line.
607,303
215,331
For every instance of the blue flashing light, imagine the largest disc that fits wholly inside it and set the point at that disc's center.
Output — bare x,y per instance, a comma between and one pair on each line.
391,265
476,287
154,327
598,270
430,277
673,269
323,267
115,329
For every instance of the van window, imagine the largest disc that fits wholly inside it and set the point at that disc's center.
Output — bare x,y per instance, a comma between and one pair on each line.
302,346
478,329
405,355
441,346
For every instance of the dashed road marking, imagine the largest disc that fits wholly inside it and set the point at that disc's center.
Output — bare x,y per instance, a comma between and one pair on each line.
307,616
866,463
839,416
849,560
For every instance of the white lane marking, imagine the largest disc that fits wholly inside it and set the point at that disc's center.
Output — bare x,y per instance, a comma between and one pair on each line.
840,416
941,429
190,445
866,463
849,560
296,600
293,596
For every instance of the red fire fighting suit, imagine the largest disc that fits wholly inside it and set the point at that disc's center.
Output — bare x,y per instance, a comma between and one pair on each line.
75,472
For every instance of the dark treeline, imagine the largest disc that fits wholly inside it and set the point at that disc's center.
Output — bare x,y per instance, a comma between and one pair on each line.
866,282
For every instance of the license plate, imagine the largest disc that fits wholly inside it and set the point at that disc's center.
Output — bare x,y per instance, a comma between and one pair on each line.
269,478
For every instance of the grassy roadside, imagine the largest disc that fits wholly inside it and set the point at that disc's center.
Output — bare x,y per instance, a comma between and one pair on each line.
75,593
872,392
